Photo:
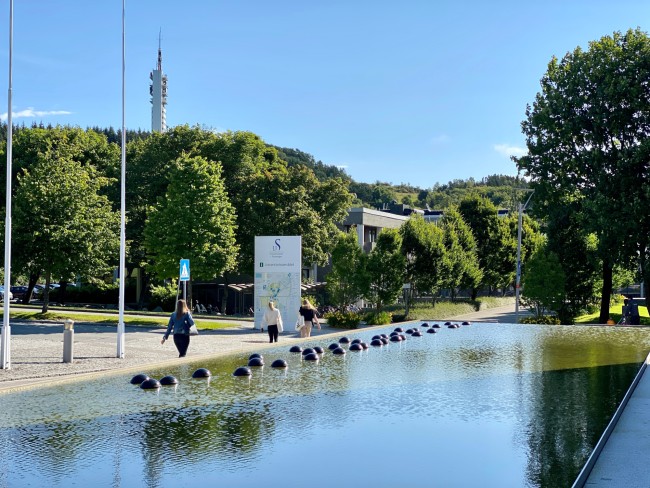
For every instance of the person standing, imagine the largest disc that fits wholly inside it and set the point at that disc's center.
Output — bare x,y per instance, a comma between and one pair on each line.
180,322
309,313
273,322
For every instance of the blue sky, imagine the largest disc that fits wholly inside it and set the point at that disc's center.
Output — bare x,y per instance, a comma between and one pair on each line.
406,92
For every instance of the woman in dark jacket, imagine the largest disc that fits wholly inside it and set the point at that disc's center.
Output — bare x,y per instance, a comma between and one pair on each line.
180,321
309,313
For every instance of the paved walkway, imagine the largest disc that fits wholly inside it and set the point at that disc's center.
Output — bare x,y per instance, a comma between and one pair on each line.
37,348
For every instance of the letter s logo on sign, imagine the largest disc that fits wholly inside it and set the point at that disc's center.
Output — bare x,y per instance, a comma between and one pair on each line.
277,246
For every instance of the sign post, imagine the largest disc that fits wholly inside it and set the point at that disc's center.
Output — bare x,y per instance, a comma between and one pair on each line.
278,271
184,275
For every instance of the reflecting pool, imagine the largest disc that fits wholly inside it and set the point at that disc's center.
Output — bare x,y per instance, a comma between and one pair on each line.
489,405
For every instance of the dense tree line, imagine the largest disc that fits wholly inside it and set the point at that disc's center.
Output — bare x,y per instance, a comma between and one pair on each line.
588,138
472,248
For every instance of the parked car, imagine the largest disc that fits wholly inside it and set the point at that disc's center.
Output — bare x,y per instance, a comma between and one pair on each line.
2,294
18,291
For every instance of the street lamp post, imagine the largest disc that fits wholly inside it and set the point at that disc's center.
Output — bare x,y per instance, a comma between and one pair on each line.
5,342
122,274
522,207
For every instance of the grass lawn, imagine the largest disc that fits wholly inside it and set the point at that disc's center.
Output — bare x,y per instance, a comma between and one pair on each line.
110,319
615,312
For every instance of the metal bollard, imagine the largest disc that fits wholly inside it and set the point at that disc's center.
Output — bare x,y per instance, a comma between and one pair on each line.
68,341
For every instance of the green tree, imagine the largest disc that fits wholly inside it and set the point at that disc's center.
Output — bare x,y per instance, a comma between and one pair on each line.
194,220
495,245
587,135
73,229
386,266
543,282
347,280
424,250
464,271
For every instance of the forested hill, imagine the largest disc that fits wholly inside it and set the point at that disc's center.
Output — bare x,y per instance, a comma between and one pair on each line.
498,188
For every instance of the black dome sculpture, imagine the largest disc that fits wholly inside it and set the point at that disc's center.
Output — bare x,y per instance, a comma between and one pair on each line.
150,384
467,323
255,355
201,373
344,340
333,346
243,371
318,349
416,333
295,349
312,356
377,342
279,363
256,362
168,380
424,324
356,347
355,341
431,331
396,338
339,351
139,378
399,329
384,340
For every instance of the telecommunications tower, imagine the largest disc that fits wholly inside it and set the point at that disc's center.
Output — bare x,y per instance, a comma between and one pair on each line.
158,92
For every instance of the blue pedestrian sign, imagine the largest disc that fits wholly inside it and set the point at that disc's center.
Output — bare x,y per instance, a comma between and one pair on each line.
185,270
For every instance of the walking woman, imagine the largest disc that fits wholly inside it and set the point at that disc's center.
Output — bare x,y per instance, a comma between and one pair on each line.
273,322
180,321
309,313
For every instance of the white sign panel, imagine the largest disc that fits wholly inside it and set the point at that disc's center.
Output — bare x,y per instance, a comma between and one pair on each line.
278,269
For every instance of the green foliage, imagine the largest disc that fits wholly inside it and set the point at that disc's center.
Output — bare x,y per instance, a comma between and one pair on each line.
495,245
195,221
540,319
587,138
101,293
426,258
378,318
544,282
343,320
347,281
464,271
59,198
385,269
164,296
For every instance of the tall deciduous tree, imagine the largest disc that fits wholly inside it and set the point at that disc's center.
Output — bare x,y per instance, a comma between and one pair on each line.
464,269
544,282
194,220
347,281
386,267
424,250
495,245
585,132
73,229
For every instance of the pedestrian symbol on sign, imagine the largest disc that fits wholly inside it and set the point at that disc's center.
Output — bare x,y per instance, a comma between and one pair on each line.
185,270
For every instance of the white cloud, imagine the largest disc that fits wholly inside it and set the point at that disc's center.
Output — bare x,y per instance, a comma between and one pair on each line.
30,112
508,150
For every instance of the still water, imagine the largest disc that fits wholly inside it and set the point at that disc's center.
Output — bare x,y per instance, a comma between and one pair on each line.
489,405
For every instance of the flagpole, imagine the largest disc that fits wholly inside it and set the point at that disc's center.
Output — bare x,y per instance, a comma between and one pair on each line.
122,273
5,346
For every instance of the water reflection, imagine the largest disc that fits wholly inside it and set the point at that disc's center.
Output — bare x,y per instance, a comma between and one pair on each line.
520,405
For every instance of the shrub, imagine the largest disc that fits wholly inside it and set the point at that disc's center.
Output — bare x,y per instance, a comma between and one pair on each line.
164,297
343,320
378,318
104,293
541,319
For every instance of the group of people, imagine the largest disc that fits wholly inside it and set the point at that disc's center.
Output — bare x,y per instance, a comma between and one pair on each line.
181,321
272,320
